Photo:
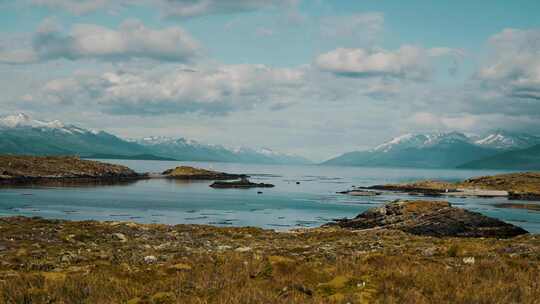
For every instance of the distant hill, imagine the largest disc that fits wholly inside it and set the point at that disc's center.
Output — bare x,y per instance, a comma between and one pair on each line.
435,150
525,159
20,134
184,149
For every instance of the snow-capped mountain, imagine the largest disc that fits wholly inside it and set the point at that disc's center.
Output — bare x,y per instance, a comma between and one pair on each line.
186,149
507,140
420,141
435,149
21,134
22,120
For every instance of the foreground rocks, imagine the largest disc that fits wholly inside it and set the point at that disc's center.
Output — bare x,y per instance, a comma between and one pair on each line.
35,169
53,261
192,173
431,218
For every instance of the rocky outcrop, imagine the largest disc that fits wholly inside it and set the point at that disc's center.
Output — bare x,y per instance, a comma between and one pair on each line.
431,218
243,183
35,169
192,173
517,186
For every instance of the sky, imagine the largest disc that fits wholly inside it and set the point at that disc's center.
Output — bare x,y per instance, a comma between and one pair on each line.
315,78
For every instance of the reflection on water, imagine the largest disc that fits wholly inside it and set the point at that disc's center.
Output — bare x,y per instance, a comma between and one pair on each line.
304,196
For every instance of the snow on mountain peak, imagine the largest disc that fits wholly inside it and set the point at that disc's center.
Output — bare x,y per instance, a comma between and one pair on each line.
22,120
412,140
506,140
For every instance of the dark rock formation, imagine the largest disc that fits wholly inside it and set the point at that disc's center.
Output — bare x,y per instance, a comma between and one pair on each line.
431,218
359,193
243,183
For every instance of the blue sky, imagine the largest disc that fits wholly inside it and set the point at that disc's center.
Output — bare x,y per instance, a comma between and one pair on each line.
315,77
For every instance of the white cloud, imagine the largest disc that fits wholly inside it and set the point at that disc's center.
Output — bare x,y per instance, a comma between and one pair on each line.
514,72
77,7
192,8
407,62
209,91
361,26
170,8
86,41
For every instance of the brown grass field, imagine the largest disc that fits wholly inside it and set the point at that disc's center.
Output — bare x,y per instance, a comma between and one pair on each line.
50,261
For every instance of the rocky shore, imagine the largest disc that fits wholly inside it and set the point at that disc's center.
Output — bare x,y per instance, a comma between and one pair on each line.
515,186
54,261
65,169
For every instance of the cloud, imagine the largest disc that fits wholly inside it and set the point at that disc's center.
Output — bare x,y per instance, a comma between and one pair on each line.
514,72
86,41
407,62
78,7
193,8
207,90
264,32
177,9
361,26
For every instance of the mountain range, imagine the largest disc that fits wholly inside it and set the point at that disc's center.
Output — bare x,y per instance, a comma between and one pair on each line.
21,134
447,150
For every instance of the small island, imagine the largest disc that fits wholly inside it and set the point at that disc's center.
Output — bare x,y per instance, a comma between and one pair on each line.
516,186
243,183
16,170
192,173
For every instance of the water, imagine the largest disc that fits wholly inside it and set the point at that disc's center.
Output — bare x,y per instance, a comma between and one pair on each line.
311,203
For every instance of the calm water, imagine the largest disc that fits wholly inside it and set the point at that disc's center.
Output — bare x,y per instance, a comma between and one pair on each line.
288,205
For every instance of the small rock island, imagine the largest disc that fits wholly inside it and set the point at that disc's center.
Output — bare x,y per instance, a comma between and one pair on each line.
517,186
43,169
243,183
192,173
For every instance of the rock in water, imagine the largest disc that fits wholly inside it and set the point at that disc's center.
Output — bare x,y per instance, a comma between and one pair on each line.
243,183
192,173
431,218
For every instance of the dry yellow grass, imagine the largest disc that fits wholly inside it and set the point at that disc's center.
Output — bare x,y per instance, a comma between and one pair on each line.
88,262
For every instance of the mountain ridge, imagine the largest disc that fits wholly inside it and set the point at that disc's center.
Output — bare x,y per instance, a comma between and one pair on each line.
436,149
21,134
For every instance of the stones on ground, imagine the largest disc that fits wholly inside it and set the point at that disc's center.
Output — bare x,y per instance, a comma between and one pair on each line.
120,237
243,249
469,260
150,259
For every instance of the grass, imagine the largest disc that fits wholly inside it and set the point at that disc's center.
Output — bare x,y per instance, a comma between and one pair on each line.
45,261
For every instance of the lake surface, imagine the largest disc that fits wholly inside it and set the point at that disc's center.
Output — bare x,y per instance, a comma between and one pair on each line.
289,205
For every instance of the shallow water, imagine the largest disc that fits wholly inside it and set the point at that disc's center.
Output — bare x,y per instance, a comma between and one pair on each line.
311,203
